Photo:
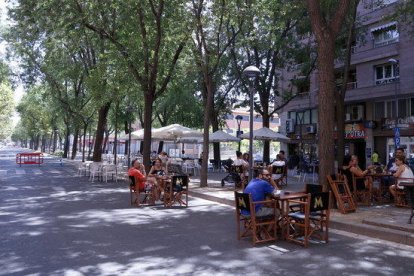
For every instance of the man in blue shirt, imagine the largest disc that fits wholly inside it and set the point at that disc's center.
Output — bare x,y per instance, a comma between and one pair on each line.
259,187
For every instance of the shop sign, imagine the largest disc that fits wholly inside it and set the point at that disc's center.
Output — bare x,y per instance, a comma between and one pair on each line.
402,123
355,131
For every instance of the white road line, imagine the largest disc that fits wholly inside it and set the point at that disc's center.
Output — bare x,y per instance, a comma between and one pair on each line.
278,248
20,171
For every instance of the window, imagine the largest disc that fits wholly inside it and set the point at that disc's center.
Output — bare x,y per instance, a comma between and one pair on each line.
385,35
387,109
386,73
356,112
379,110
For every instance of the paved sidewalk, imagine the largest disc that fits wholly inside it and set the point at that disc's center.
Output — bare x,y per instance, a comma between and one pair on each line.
380,221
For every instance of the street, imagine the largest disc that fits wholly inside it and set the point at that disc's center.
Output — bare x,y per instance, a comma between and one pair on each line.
54,222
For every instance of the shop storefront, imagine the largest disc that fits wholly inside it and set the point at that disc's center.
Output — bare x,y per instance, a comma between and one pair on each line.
384,137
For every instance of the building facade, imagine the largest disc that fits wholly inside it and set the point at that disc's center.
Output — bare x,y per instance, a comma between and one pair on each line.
379,102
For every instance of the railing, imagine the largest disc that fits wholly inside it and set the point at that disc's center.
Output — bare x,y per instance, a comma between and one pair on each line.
29,158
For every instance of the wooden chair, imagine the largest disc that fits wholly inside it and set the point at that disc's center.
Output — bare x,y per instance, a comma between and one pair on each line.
309,189
142,197
262,229
282,170
311,221
408,184
176,190
239,170
400,199
344,198
362,189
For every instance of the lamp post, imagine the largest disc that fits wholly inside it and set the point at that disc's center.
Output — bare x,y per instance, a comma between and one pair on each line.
251,72
239,119
394,63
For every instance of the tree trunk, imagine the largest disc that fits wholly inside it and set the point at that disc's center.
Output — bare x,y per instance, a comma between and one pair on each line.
66,145
206,125
326,110
102,118
85,129
149,100
325,27
266,144
75,143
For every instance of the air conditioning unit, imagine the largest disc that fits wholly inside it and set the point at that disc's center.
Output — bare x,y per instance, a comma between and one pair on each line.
348,117
290,126
311,129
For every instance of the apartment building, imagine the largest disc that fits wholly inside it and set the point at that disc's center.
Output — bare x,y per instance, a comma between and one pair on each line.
380,91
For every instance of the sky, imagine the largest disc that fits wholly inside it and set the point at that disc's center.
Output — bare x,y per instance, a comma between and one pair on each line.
19,91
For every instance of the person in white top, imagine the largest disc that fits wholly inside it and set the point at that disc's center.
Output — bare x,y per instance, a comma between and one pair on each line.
278,162
240,161
403,172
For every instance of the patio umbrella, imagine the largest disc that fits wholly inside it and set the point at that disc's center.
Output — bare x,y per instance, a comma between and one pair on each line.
265,133
138,134
221,136
173,132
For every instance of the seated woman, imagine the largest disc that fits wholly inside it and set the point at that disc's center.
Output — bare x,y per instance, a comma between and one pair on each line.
403,171
352,169
157,171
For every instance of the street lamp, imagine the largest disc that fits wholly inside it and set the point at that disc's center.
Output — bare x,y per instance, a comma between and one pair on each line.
251,72
394,62
239,119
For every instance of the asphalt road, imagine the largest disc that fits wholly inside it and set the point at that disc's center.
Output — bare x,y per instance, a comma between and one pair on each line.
53,222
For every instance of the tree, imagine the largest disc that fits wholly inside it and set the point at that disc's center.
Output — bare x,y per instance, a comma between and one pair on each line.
149,37
268,41
6,109
214,33
326,19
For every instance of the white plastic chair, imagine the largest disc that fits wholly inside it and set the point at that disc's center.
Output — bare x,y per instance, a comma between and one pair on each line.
95,169
189,165
110,170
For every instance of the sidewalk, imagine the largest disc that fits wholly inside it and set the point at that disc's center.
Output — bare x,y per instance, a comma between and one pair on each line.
384,221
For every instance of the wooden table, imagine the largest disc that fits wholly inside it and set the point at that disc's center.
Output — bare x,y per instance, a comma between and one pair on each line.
283,198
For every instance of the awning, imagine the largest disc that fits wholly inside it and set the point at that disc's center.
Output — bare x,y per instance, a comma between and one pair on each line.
382,27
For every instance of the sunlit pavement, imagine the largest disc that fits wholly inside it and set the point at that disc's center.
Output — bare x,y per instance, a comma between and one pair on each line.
56,223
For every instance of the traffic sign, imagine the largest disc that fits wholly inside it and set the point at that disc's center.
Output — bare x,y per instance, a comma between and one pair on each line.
397,132
397,142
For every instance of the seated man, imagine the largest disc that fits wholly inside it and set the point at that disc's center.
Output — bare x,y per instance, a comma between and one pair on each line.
259,188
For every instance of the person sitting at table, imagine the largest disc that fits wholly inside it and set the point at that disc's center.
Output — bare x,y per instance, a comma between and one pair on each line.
137,171
402,172
259,188
241,162
391,165
157,171
278,162
352,169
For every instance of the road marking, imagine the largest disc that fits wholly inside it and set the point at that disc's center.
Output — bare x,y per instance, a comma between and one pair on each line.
278,248
54,171
37,171
20,171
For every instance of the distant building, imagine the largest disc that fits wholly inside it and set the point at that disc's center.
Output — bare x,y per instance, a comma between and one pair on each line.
382,63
